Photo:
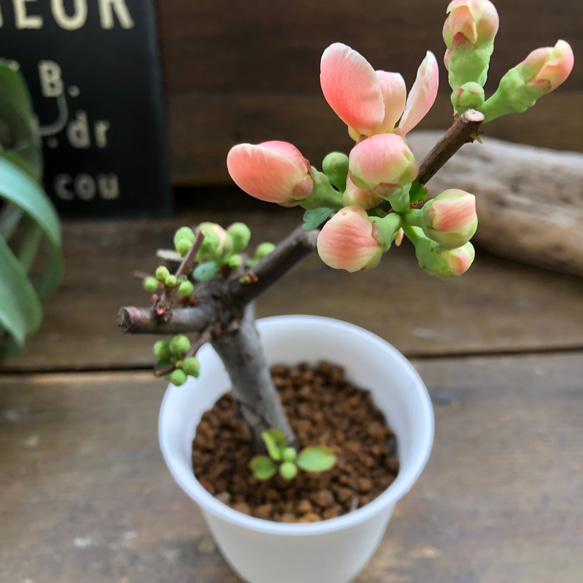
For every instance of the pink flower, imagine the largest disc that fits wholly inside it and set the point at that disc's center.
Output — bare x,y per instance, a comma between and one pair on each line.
450,218
272,171
545,69
347,241
371,102
355,196
382,163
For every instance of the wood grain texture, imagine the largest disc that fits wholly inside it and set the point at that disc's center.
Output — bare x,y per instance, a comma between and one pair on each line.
202,128
85,495
497,306
249,72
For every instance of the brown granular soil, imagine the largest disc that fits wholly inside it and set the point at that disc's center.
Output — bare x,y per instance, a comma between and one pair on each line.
323,409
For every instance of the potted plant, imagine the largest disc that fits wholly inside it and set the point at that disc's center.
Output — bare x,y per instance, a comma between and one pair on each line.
296,471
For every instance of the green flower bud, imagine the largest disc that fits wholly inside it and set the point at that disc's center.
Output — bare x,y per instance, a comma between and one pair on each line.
162,349
150,284
263,250
180,344
170,281
191,366
184,233
178,377
288,470
162,273
185,289
289,454
235,261
240,234
183,246
335,167
468,96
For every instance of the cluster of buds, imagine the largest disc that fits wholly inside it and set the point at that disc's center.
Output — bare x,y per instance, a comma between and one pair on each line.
354,189
469,33
220,249
176,352
164,280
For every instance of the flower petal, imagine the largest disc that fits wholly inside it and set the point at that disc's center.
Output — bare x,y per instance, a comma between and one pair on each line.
346,241
394,96
351,88
422,94
272,171
380,161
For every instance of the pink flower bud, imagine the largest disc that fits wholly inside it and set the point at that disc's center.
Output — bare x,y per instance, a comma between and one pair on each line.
546,68
470,22
272,171
347,241
354,196
441,262
366,100
382,163
450,218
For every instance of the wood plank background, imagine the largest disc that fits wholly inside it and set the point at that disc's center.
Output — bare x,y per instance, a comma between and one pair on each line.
248,71
86,495
498,306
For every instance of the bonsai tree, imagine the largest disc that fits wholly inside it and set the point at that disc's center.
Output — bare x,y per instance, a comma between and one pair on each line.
26,216
356,207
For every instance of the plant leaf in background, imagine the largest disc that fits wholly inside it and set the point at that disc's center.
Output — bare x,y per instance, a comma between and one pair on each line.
27,212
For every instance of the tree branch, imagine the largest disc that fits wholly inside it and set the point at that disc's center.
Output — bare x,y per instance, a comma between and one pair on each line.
133,320
290,251
461,132
163,307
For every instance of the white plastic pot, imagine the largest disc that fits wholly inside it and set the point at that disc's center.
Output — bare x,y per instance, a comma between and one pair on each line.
331,551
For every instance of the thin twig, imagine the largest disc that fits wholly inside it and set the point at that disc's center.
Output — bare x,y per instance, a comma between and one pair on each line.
164,304
461,132
141,275
206,336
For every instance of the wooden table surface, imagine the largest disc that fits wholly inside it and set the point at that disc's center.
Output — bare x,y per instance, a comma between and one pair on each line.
84,492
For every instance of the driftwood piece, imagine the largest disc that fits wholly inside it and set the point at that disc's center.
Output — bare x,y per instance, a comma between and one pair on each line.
530,200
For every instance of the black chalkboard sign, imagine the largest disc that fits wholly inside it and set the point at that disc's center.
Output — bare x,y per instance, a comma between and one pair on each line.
92,68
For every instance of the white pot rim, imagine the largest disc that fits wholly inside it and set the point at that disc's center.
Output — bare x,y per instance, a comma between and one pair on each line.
400,487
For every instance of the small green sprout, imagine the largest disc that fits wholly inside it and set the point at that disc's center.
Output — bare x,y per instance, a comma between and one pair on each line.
286,460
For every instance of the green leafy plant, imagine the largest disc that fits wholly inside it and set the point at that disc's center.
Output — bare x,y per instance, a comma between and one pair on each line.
285,460
26,216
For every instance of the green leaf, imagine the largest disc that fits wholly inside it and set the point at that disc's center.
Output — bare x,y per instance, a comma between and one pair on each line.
417,193
20,309
315,217
274,440
30,237
18,124
263,467
206,271
23,192
316,459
